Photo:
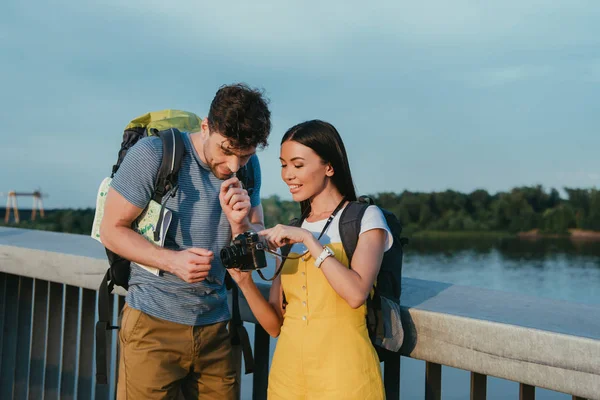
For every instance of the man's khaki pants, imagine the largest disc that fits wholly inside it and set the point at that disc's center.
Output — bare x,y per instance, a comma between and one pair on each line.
159,359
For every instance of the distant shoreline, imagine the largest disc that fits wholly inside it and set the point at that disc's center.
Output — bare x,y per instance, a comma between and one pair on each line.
80,221
574,234
461,235
535,234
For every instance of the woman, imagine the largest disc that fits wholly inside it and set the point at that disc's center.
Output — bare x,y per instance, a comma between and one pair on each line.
317,304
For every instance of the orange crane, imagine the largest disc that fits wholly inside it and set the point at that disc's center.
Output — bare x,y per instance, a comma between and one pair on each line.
11,197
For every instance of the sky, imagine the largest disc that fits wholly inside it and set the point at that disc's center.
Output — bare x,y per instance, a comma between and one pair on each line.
428,96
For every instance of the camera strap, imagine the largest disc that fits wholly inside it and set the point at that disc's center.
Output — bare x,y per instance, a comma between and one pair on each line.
331,217
298,224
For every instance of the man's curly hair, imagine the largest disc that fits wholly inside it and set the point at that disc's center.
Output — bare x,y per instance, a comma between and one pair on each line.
241,114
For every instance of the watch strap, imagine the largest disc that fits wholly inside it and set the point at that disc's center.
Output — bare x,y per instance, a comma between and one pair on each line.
324,254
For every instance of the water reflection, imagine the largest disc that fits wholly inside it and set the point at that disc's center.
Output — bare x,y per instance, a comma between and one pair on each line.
554,268
510,248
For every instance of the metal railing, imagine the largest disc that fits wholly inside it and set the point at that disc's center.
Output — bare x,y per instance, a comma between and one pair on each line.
48,301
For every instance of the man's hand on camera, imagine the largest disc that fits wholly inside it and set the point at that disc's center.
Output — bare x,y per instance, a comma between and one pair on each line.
235,201
192,265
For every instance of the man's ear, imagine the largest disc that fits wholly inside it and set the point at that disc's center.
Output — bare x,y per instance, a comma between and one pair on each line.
204,128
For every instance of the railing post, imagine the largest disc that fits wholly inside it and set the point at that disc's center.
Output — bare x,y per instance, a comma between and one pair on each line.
478,386
391,376
260,380
86,344
37,364
433,381
69,350
3,278
9,340
526,392
54,341
237,360
23,337
103,391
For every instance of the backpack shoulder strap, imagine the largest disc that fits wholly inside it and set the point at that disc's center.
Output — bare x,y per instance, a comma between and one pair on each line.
350,226
173,151
168,172
102,326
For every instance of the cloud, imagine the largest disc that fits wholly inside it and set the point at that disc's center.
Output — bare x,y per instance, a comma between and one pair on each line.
313,25
314,34
408,81
512,74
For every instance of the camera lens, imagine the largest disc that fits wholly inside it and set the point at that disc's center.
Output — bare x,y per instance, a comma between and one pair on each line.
227,257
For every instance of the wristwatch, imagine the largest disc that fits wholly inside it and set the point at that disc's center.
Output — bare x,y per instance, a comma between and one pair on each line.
324,254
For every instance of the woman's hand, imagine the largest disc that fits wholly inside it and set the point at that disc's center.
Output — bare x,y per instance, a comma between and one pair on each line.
281,235
240,277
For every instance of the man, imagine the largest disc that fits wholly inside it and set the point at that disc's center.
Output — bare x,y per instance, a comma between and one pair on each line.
173,334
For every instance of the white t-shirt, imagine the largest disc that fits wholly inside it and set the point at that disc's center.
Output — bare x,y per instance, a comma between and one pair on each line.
372,219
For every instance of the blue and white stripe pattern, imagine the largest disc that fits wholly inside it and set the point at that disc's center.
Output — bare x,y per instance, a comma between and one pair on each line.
198,221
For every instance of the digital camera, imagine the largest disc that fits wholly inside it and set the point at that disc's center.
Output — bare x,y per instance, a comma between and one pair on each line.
247,253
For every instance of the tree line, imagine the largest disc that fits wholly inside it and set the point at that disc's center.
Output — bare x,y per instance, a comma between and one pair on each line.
519,210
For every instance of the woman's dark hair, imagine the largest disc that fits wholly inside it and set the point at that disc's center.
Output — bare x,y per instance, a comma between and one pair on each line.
241,114
324,139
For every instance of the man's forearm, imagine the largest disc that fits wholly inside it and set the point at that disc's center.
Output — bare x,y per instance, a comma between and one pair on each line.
132,246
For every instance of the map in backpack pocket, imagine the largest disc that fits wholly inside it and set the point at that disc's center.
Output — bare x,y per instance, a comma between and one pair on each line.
145,224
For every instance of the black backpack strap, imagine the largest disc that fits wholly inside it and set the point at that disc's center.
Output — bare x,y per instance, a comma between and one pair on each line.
173,151
102,326
239,335
168,172
350,226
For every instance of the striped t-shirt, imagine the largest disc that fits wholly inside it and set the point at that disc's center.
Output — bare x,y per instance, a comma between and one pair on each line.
198,221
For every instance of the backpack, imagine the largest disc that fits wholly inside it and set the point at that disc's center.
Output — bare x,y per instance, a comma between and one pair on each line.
383,305
165,124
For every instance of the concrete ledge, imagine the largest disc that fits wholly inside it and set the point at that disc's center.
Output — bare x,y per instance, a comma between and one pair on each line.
56,257
560,362
540,342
